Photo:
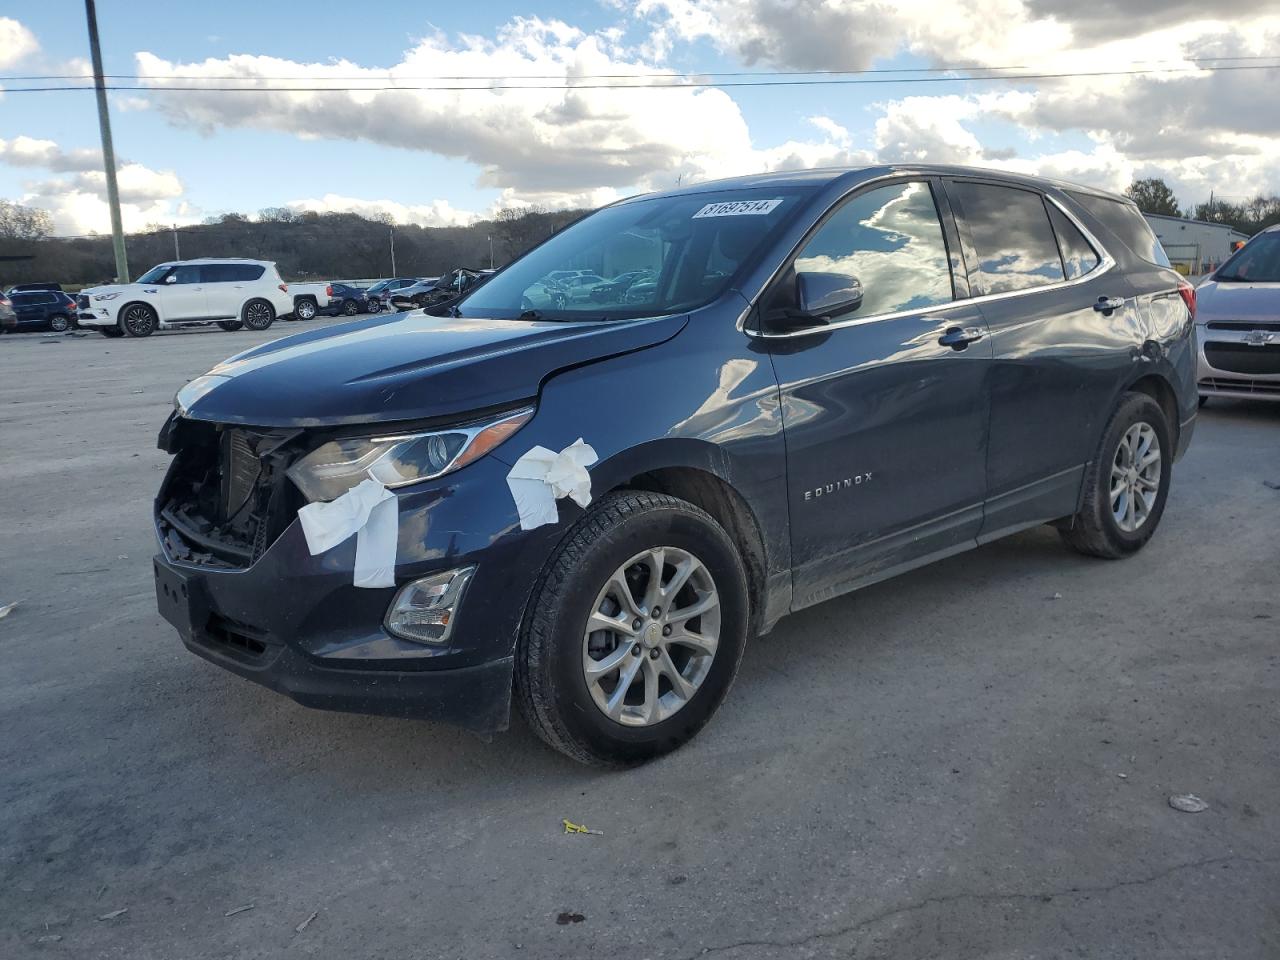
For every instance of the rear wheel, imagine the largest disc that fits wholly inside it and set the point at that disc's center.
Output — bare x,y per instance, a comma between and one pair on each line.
258,315
231,326
634,632
1127,483
350,308
304,309
59,323
139,320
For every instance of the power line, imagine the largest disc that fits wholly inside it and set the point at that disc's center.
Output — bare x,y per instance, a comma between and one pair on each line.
639,75
684,85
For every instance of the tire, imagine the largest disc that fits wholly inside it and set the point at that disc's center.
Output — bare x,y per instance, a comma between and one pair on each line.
305,309
231,326
374,306
1113,477
59,323
258,315
350,308
111,333
138,320
570,712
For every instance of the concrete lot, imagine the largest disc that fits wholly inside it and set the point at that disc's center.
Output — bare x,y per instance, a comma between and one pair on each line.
973,760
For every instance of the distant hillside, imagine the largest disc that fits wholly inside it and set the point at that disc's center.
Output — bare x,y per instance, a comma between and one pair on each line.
306,245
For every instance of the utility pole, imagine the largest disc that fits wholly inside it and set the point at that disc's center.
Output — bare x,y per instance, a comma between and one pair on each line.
490,239
108,153
177,255
393,250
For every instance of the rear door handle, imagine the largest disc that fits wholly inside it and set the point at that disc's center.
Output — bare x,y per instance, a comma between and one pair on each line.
1107,304
957,338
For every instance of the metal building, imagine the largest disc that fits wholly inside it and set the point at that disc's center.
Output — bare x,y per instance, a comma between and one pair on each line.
1194,246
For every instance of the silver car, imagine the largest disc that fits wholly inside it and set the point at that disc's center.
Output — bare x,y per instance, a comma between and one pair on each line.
1238,323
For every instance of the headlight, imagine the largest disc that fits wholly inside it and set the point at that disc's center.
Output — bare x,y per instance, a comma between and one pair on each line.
334,468
105,296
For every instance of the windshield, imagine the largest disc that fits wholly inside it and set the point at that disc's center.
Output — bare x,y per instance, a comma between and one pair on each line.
155,274
1258,261
639,259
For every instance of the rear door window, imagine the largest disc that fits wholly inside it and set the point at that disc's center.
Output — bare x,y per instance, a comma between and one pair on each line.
1078,255
1010,231
1126,221
890,239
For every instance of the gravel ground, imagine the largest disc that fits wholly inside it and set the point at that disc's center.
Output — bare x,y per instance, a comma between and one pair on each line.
973,760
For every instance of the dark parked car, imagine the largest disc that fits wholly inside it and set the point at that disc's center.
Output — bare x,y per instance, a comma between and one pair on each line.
24,287
836,376
348,301
436,290
379,295
41,310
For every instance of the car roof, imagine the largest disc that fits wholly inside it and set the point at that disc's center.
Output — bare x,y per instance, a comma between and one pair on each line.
819,177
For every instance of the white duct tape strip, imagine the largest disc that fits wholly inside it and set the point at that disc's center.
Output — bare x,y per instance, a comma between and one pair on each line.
369,511
541,477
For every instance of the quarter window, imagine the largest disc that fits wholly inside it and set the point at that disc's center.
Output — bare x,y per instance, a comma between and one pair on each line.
890,239
1078,256
1011,235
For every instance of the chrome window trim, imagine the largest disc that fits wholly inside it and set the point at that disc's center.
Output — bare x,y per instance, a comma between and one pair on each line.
1105,263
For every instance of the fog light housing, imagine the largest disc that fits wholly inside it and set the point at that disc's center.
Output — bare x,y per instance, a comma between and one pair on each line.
424,611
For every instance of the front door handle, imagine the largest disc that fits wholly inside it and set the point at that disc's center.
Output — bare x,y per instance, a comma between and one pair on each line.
957,338
1107,304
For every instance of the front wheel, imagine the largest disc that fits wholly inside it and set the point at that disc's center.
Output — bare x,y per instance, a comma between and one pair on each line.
1127,484
374,306
258,315
139,320
634,632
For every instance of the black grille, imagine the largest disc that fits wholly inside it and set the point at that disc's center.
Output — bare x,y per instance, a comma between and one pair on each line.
1263,388
1243,358
240,471
1245,325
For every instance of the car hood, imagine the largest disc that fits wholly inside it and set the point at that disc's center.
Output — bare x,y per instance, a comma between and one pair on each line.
118,288
1237,301
407,367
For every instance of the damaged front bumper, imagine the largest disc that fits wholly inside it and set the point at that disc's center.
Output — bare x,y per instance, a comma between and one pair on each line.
296,623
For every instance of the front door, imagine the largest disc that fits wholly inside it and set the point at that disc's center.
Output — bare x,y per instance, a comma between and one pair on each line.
182,295
885,408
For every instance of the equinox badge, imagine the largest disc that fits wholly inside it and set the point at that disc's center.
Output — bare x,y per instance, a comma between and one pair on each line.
837,485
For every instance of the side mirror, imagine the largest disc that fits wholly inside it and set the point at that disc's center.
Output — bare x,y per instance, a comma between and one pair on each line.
821,296
171,278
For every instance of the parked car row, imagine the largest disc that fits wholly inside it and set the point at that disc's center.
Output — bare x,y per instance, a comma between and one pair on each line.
36,309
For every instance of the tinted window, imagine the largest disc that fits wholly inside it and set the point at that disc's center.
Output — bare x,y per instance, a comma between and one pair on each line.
44,298
1258,261
187,273
249,271
1077,255
22,299
891,240
1011,236
1126,221
229,272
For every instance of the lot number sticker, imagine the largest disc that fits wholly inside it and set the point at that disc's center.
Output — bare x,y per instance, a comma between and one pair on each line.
738,208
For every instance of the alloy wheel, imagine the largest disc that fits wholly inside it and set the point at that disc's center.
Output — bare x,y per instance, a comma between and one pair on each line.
651,636
305,310
139,321
257,315
59,324
1135,477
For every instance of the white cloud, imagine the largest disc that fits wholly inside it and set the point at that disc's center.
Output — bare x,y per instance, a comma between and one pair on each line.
24,151
17,43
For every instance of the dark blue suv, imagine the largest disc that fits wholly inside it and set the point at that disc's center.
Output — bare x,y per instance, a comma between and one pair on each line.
831,377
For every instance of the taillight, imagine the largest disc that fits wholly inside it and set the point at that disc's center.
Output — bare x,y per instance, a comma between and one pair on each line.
1188,293
284,287
328,291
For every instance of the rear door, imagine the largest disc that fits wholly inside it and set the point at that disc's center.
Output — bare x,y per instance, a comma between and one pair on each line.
885,423
29,312
1056,359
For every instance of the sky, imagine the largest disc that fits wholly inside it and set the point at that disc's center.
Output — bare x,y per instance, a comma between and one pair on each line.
435,156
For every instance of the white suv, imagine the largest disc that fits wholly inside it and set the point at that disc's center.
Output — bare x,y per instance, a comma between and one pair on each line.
233,293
